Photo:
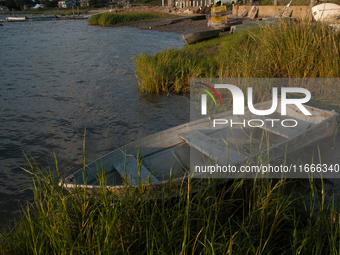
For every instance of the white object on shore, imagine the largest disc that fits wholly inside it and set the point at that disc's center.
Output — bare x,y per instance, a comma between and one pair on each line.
15,18
283,11
329,13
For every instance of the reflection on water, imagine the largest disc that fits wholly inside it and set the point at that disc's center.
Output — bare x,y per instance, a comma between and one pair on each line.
59,78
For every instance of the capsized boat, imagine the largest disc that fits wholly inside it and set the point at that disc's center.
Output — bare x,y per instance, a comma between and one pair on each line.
198,17
329,13
200,36
170,156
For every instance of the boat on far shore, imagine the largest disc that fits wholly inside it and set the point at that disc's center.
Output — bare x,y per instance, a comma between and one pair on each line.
200,36
16,18
198,17
328,13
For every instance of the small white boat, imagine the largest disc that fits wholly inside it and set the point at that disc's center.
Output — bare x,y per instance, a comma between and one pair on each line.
166,157
329,13
16,18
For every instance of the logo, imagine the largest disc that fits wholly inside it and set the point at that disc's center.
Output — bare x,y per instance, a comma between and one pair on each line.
239,106
204,97
238,99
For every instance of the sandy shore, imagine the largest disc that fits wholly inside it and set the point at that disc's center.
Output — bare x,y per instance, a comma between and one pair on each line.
184,26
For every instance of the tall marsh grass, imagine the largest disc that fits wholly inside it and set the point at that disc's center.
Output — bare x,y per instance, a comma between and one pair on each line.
113,19
245,216
287,50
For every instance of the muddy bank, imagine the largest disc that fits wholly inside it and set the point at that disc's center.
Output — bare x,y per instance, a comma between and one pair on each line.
183,25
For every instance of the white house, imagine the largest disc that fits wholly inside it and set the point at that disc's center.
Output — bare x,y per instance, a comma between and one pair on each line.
38,6
84,3
66,3
4,8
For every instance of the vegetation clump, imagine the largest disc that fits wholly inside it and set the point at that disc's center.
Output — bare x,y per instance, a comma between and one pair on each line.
113,19
286,50
244,216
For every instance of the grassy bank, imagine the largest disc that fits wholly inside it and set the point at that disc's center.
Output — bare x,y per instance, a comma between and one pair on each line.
113,19
283,51
241,217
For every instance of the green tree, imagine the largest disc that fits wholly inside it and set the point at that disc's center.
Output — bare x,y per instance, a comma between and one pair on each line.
93,2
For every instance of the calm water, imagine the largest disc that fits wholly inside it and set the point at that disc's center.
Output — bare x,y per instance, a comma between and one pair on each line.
60,77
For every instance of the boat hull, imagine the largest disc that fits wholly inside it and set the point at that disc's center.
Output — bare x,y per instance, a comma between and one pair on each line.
16,18
163,161
200,36
328,13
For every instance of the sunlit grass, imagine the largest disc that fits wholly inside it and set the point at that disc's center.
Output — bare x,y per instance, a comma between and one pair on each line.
287,50
113,19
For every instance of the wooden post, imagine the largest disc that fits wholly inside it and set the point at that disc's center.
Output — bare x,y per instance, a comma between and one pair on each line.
311,5
73,10
275,2
13,12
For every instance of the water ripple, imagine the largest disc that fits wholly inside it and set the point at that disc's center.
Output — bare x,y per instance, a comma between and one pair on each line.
60,78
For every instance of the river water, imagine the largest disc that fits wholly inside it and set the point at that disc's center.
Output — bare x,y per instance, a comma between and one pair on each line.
58,78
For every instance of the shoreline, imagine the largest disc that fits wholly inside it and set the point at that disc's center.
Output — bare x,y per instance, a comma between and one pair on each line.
184,25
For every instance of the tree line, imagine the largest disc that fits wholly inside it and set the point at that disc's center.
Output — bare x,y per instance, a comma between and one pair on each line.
20,4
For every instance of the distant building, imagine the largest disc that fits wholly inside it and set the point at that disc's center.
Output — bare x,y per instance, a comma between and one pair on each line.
113,3
84,2
38,6
118,2
66,3
4,9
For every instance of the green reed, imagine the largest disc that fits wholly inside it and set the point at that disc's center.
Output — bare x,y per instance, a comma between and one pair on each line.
243,216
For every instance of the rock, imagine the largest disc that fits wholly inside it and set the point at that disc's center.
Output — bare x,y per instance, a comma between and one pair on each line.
253,12
279,13
188,12
287,13
243,13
